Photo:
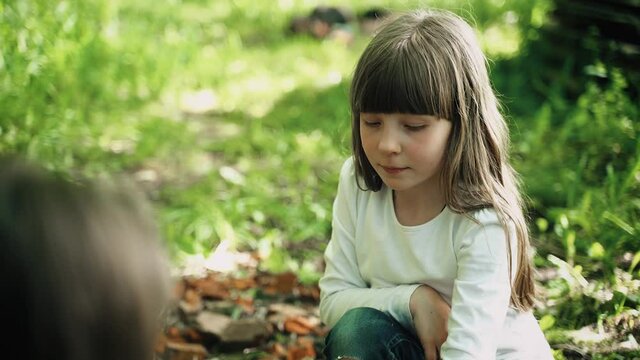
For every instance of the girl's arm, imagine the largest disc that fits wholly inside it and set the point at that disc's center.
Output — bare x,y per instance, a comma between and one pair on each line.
481,294
342,287
430,316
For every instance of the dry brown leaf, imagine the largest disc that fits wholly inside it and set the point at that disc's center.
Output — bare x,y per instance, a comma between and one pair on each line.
302,349
309,321
278,284
287,309
212,288
246,303
298,325
242,284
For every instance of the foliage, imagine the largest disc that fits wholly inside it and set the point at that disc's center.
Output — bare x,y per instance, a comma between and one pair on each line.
65,76
591,162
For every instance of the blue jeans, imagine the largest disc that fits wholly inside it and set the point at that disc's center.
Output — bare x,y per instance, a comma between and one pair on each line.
369,334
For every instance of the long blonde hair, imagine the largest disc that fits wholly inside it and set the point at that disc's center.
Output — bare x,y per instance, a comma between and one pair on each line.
429,62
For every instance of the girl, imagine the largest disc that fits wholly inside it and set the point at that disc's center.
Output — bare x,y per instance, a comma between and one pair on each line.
428,254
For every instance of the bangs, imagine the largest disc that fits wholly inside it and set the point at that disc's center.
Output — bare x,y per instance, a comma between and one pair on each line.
401,79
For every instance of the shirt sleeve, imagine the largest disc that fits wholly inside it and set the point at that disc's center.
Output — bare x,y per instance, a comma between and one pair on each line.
481,294
342,287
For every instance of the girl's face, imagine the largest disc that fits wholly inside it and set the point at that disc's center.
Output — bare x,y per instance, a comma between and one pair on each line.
406,150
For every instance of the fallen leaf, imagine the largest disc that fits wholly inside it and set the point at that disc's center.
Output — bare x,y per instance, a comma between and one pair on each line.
211,288
297,325
303,349
287,309
246,304
242,284
278,284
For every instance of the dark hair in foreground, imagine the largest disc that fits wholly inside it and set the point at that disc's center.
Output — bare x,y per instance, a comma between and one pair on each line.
83,273
430,63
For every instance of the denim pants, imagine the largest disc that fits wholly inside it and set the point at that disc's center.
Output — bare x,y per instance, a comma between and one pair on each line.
369,334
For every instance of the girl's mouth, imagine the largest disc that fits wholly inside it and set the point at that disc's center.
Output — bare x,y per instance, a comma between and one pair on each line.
393,170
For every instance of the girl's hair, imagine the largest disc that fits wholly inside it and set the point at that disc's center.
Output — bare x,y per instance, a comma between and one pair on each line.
83,272
429,62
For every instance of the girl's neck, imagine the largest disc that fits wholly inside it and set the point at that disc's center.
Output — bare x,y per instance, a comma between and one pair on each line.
414,209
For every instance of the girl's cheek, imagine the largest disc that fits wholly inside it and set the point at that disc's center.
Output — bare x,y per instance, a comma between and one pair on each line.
367,140
416,148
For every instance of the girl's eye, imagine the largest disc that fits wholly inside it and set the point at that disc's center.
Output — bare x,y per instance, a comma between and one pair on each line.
415,127
371,123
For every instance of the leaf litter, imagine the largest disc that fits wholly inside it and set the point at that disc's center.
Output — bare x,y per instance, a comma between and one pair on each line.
242,314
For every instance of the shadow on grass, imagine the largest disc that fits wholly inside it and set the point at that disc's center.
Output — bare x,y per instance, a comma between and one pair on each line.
309,109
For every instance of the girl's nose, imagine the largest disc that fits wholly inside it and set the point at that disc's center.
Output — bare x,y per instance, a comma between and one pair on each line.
389,141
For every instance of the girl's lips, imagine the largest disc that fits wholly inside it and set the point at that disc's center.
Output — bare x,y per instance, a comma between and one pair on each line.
393,170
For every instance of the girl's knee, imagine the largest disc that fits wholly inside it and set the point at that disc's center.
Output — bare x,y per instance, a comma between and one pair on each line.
361,333
361,322
359,325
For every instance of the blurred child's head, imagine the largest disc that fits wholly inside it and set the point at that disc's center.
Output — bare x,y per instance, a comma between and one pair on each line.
83,273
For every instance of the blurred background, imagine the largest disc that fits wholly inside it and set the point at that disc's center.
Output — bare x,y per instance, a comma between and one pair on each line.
233,116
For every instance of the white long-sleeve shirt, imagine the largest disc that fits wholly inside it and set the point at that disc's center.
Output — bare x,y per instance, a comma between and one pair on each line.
374,261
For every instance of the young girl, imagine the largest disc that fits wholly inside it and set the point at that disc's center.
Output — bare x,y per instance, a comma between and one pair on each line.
428,255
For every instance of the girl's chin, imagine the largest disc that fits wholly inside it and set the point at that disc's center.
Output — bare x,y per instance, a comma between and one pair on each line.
394,185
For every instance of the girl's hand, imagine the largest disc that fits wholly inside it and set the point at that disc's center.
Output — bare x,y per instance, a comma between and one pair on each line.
430,315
